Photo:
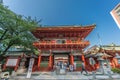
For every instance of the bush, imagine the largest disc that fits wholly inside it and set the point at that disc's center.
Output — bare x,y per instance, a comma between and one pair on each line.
9,70
116,70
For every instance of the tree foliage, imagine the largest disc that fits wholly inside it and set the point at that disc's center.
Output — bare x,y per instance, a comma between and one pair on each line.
15,30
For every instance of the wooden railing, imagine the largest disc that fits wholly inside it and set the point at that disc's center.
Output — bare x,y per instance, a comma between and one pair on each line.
54,43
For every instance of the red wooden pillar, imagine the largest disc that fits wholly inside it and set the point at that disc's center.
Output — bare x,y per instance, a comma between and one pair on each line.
115,62
112,62
17,64
4,67
72,59
96,64
83,59
39,60
50,61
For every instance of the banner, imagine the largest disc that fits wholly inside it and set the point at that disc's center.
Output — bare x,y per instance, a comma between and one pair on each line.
30,67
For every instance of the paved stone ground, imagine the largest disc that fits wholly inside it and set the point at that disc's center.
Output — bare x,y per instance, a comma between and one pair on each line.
68,76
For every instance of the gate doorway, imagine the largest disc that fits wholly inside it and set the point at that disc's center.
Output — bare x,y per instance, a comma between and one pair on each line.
61,57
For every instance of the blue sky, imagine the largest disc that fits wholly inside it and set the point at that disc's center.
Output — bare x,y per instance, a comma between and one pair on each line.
73,12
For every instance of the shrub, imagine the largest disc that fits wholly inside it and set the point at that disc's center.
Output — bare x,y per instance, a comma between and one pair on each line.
9,70
116,70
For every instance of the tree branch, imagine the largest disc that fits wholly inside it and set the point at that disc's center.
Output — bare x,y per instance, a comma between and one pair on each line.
4,52
1,38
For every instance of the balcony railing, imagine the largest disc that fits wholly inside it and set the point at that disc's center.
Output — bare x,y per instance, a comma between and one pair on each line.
65,43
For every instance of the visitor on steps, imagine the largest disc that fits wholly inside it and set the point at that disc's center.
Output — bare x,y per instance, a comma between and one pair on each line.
71,68
74,66
83,68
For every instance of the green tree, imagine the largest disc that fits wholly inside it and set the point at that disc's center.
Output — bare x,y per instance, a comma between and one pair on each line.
15,30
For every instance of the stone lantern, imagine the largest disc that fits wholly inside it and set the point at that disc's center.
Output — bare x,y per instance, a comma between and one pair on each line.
118,57
101,60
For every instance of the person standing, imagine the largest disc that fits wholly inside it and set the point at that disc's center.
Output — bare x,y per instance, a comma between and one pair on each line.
83,68
74,66
54,67
71,67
